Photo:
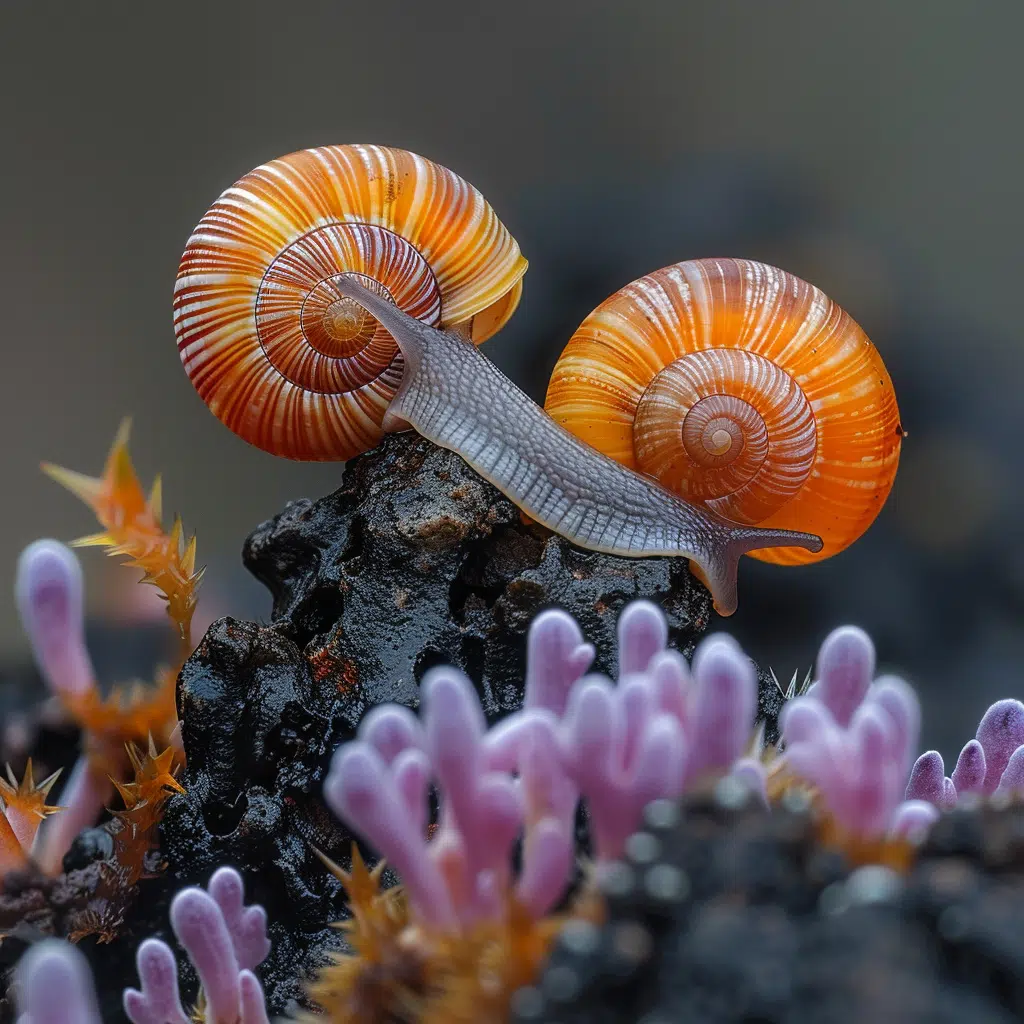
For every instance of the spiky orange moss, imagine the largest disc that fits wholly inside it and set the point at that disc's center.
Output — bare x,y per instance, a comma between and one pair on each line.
24,803
23,807
155,782
128,714
132,526
401,974
134,830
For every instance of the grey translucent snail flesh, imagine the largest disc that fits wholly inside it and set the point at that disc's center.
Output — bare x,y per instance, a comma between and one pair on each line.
456,397
706,410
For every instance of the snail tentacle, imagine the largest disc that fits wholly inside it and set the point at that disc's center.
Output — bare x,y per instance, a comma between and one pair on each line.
457,398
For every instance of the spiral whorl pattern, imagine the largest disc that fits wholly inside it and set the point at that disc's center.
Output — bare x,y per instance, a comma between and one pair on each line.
270,343
741,387
705,430
315,336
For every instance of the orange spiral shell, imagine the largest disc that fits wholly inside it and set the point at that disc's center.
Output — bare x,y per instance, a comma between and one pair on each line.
279,355
742,387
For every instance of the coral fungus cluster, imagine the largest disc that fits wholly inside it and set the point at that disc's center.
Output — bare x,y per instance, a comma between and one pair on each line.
991,763
441,948
853,740
224,941
658,731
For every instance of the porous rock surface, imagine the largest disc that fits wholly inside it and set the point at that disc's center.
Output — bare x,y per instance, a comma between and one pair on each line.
729,914
415,561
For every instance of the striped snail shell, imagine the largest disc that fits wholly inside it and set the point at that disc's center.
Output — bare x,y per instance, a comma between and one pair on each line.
277,351
742,388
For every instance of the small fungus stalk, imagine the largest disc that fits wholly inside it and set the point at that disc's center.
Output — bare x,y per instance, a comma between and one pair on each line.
852,740
992,763
224,940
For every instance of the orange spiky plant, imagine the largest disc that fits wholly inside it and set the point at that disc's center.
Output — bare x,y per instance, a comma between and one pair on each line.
24,808
132,526
131,718
133,828
155,781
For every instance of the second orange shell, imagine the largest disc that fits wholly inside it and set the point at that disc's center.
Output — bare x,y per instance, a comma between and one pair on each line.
741,387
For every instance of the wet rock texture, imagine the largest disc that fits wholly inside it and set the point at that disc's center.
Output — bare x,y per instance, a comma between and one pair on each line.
416,560
730,914
413,562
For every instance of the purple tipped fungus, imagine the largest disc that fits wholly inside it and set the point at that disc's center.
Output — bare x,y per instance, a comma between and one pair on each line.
853,739
224,939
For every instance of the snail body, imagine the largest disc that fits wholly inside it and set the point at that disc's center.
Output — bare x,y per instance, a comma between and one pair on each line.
340,292
456,397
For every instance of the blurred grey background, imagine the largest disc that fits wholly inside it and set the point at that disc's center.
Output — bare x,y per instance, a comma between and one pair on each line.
873,148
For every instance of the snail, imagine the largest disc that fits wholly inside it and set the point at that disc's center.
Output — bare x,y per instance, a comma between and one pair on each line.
740,387
279,354
338,293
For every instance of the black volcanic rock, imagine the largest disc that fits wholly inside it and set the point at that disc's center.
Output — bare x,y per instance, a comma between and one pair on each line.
413,562
730,914
259,729
416,560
